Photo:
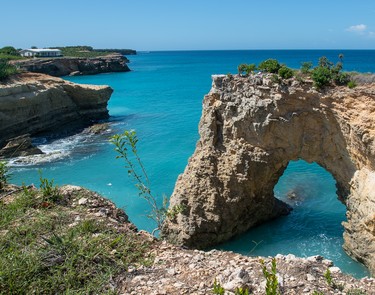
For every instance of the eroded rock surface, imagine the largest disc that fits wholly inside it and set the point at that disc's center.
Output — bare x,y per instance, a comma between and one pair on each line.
33,103
249,131
75,65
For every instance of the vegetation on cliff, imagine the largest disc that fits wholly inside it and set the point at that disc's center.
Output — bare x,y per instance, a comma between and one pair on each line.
67,240
9,53
325,74
88,51
6,70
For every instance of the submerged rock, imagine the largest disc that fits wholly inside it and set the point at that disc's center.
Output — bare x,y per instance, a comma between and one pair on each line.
249,131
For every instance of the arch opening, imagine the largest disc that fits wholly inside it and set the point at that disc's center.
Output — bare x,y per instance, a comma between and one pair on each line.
312,228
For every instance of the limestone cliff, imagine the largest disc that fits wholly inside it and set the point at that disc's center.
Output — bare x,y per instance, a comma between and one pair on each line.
250,129
33,103
75,65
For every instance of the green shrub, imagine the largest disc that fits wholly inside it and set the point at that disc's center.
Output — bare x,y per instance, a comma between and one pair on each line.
9,50
306,67
352,84
321,76
217,288
4,174
250,68
324,62
342,78
272,285
245,70
241,291
242,69
285,72
6,70
49,191
270,66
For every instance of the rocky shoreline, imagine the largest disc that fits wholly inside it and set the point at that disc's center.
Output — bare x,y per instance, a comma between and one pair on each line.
175,270
75,66
33,103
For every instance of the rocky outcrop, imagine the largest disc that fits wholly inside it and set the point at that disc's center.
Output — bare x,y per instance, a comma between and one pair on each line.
34,103
181,271
74,66
167,269
19,146
249,131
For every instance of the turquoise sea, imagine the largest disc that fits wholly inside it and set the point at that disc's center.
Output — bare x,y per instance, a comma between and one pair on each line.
161,98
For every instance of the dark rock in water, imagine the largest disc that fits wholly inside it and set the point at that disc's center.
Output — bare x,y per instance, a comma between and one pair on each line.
19,146
99,128
75,66
291,195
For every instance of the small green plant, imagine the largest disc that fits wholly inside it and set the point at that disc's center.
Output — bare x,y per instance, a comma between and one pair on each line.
270,66
328,277
242,69
4,174
331,283
321,76
272,284
250,69
285,72
275,79
306,67
229,75
50,192
6,70
342,78
217,289
317,293
245,69
172,212
127,143
241,291
352,84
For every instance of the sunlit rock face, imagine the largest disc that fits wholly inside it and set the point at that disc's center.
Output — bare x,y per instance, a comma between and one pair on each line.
250,129
31,103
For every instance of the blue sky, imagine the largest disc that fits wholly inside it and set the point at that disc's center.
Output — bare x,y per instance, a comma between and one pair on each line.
189,25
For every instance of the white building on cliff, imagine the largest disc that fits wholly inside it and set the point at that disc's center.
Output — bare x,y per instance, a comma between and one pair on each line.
45,52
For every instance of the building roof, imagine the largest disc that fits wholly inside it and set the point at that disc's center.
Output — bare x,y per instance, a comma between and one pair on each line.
41,50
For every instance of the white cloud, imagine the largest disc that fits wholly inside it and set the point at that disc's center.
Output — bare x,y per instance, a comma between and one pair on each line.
357,29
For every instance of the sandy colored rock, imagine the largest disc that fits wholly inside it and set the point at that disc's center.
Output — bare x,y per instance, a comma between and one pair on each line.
249,131
33,103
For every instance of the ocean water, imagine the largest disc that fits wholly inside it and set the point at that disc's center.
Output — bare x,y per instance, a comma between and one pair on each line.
161,98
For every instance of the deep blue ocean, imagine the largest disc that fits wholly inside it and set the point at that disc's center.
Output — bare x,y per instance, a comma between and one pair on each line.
161,98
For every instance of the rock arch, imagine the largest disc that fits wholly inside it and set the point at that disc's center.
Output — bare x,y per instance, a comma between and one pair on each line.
249,131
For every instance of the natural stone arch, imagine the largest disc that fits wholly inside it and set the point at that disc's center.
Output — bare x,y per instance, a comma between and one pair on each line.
249,131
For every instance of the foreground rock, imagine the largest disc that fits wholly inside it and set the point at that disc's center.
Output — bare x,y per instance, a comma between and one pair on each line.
179,271
34,103
65,66
162,269
249,131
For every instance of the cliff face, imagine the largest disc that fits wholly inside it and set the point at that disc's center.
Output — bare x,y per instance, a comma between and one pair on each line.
34,103
75,65
249,131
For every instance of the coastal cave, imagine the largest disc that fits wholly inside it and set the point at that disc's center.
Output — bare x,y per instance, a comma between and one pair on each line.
249,131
